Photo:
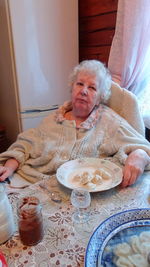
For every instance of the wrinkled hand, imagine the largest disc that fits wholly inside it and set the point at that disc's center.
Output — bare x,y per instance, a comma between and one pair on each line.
134,166
5,172
8,169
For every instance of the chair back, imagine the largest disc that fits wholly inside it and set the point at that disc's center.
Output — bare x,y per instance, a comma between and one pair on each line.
125,104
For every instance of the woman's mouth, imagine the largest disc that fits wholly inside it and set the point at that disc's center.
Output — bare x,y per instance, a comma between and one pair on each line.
81,100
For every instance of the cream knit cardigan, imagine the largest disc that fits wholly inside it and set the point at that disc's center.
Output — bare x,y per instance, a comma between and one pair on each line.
42,150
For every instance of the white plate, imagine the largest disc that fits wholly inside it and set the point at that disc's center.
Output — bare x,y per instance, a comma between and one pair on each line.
117,228
66,173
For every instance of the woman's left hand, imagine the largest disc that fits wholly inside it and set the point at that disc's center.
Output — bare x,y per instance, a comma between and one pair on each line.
134,166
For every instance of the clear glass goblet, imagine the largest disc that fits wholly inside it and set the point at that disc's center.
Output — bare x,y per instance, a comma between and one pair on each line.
80,199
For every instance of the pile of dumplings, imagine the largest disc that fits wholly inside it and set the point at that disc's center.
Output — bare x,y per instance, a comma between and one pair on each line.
93,179
135,253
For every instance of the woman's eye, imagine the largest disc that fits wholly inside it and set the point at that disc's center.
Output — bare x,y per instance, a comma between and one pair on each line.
92,87
79,83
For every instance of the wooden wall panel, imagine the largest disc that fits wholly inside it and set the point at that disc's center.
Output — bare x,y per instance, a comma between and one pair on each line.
97,19
96,7
100,53
96,23
98,38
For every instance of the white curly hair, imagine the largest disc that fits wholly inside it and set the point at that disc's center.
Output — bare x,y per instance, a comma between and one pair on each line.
100,71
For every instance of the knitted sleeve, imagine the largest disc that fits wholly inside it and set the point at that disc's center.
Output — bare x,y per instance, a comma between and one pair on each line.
21,149
127,140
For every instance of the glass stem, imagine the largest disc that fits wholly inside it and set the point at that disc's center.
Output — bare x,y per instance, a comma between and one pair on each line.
80,212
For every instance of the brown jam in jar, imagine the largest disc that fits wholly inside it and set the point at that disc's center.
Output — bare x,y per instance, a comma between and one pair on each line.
30,221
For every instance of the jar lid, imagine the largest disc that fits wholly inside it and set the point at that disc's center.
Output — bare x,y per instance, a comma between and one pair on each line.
28,206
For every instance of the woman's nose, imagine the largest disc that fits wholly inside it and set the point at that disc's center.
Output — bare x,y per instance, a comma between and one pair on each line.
84,91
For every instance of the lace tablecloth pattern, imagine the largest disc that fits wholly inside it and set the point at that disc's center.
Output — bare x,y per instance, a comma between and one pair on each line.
64,242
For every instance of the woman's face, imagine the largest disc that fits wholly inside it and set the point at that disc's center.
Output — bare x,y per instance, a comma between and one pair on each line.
85,94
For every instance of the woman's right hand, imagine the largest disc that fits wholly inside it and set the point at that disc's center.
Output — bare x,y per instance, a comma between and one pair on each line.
8,169
5,172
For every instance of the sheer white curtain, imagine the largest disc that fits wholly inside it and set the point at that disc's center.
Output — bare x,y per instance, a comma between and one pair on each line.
129,60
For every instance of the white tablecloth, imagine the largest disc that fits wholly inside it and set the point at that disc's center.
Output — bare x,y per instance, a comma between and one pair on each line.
64,242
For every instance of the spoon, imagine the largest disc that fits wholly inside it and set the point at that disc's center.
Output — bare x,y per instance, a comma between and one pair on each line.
7,181
55,196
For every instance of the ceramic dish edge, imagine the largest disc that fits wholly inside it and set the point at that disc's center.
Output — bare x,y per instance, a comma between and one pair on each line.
65,167
111,225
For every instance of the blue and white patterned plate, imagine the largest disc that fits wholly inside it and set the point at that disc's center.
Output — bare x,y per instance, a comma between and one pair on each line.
119,227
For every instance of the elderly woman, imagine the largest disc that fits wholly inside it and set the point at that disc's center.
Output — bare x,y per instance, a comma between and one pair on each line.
84,127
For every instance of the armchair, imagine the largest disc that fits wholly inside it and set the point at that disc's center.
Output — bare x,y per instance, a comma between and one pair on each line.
125,104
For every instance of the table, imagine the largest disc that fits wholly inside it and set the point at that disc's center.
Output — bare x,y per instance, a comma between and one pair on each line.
64,242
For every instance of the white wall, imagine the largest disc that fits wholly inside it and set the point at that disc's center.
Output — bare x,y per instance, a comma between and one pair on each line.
38,49
45,35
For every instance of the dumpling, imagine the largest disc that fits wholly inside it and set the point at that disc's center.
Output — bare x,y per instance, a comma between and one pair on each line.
105,175
123,249
96,172
145,248
135,253
138,260
97,179
124,262
135,244
144,236
85,178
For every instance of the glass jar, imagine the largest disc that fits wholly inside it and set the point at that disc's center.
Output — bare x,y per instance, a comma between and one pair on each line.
7,226
30,221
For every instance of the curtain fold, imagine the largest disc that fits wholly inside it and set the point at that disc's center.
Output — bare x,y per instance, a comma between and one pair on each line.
129,60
